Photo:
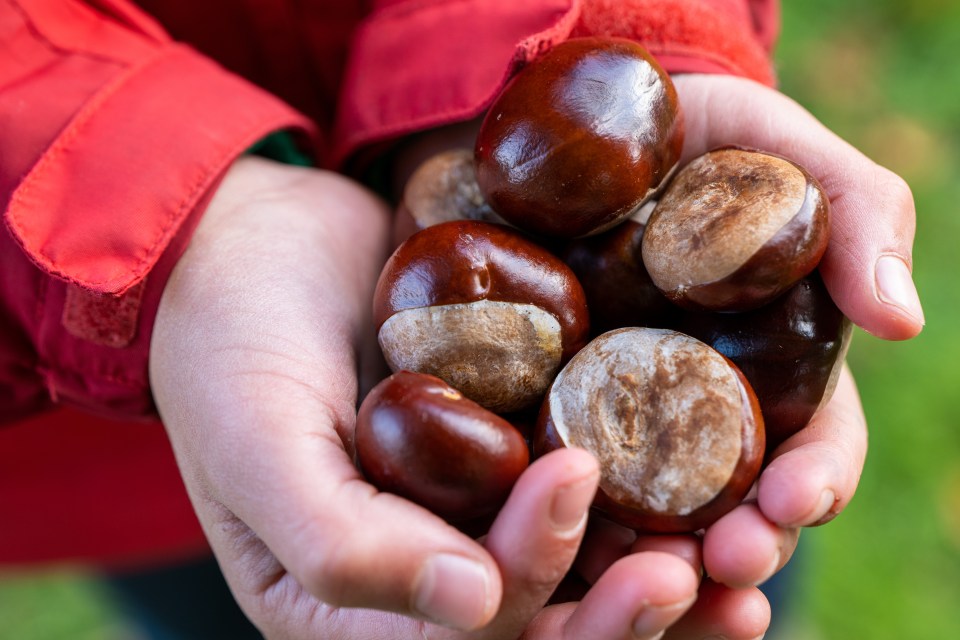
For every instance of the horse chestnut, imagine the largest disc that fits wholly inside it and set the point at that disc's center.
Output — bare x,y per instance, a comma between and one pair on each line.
674,425
483,308
442,188
421,439
579,138
735,229
790,350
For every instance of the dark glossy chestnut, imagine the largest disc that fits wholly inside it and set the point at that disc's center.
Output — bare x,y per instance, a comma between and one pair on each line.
483,308
675,427
420,438
790,350
619,290
734,229
579,138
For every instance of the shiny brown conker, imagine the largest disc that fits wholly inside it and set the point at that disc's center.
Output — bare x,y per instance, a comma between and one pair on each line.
483,308
579,138
790,350
734,229
675,427
420,438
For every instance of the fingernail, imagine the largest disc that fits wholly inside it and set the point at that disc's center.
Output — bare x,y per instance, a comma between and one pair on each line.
895,286
453,591
772,569
571,503
823,513
653,621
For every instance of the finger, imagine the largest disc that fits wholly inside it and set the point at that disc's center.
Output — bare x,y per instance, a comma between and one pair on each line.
868,262
537,533
721,612
686,547
815,473
744,549
330,532
637,597
533,539
604,543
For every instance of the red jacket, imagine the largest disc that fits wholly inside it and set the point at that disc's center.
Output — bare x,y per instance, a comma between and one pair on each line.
116,125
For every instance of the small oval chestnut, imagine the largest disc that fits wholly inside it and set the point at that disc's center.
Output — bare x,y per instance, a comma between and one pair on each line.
619,290
579,138
420,438
791,351
483,308
734,229
674,425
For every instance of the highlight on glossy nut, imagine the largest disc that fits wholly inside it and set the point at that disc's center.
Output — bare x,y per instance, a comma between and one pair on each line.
674,425
734,229
483,308
791,351
579,138
420,438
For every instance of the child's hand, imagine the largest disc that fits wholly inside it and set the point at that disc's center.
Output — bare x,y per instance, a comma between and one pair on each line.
262,332
867,264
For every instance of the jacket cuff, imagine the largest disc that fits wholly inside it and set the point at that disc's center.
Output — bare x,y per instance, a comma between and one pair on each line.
420,64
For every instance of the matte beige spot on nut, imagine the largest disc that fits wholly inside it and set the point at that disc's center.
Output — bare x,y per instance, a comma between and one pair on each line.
661,411
445,188
501,355
718,212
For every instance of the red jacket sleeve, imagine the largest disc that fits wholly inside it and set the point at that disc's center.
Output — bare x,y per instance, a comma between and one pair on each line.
419,64
112,138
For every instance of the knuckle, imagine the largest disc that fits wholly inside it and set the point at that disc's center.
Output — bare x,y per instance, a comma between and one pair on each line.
894,190
328,574
546,576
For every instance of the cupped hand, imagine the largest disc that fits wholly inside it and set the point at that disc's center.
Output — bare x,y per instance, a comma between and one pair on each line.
813,475
866,268
868,263
262,333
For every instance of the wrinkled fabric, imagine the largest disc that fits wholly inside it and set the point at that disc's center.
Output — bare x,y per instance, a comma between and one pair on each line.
117,122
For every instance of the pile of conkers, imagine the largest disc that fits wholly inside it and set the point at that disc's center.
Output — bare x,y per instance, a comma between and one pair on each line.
713,337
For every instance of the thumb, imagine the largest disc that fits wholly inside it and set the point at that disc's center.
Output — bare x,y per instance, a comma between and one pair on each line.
868,264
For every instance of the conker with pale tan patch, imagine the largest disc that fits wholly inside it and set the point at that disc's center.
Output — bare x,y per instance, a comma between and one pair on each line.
442,188
735,229
675,427
579,138
420,438
791,351
483,308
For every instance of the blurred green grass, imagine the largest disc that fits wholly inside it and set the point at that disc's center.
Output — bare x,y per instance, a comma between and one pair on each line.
58,604
883,75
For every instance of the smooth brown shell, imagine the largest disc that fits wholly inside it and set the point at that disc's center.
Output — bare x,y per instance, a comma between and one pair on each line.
734,229
791,351
482,307
579,138
421,439
674,424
